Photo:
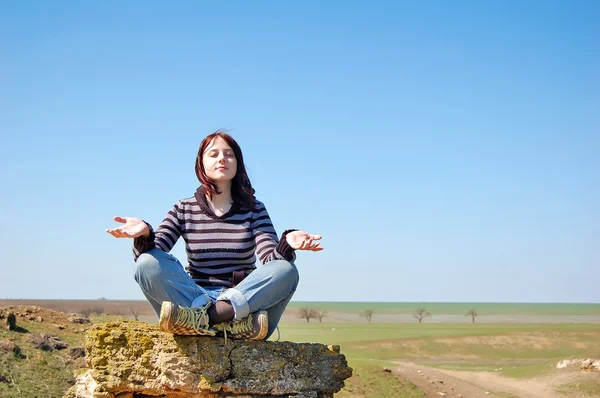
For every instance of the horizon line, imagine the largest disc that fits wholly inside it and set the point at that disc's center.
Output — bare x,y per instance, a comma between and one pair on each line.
328,301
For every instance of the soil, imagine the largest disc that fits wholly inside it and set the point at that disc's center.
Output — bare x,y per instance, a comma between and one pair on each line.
451,383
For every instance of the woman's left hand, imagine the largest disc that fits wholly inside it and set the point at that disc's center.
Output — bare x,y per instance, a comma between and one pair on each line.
300,240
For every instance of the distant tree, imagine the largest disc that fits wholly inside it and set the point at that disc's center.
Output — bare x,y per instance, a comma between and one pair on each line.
102,298
367,314
472,313
86,312
321,313
307,313
97,311
421,313
135,313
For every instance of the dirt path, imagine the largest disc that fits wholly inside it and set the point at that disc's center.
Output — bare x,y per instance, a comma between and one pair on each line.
450,383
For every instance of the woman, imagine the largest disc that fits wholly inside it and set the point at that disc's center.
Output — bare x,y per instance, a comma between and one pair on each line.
225,229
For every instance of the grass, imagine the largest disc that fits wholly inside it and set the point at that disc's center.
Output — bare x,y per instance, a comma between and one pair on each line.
513,350
41,373
456,308
586,388
503,394
369,380
354,332
514,370
527,371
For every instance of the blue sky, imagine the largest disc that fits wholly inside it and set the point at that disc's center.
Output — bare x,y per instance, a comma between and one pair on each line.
446,152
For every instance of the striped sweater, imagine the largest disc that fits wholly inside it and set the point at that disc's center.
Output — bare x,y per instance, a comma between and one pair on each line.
217,246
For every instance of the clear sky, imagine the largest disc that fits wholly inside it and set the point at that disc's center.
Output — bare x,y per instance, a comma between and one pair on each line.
446,151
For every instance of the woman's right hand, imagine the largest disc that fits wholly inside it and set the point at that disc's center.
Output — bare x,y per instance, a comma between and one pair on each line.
132,228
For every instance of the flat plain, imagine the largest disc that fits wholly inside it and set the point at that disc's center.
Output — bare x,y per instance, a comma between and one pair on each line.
510,350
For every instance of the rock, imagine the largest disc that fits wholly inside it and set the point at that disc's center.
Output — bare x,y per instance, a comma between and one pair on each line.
60,345
442,394
39,342
566,363
78,319
7,345
11,321
47,342
136,359
76,352
10,347
589,365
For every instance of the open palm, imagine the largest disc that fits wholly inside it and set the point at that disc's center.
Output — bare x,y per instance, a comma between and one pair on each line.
132,228
300,240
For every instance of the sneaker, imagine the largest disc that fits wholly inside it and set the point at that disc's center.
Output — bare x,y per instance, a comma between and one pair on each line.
185,320
254,327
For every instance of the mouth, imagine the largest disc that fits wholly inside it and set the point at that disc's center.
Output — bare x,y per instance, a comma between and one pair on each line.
222,168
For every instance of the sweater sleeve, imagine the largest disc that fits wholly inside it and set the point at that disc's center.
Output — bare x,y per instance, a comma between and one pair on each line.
165,236
268,246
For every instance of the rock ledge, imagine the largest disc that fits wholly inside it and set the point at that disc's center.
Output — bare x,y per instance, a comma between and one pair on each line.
134,359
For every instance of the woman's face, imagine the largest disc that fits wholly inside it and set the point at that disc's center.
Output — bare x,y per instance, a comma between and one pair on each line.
219,161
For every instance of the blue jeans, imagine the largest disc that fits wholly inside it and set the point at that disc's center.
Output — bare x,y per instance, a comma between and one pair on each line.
270,287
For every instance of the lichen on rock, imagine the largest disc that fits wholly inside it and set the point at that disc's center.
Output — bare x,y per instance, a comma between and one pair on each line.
140,360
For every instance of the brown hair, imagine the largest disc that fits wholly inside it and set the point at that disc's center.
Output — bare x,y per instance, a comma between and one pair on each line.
241,189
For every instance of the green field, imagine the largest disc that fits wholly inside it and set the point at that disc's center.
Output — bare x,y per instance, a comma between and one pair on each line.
455,308
520,350
354,332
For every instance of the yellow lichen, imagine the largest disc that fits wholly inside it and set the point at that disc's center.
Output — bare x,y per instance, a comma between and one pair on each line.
209,383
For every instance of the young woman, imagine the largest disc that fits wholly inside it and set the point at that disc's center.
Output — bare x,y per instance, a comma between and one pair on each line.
225,230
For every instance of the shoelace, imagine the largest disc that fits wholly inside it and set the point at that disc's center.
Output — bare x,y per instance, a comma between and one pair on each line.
236,327
243,326
194,317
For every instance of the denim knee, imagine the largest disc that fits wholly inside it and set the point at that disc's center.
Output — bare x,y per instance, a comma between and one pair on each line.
146,267
286,271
